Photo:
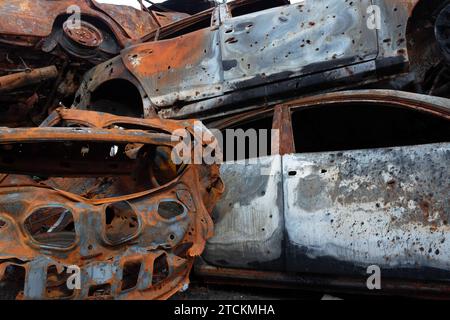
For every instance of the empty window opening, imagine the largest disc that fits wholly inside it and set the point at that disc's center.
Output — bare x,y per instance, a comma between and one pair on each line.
121,222
170,209
365,126
130,275
100,290
248,140
255,6
56,286
160,269
201,23
52,226
119,97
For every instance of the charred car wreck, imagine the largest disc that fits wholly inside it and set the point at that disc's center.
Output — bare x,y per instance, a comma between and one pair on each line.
43,55
99,192
246,54
360,178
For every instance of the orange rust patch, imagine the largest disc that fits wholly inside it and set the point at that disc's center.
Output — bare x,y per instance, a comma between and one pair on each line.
151,58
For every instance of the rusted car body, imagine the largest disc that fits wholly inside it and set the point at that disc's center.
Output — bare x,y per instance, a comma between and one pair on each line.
246,54
68,36
354,179
100,192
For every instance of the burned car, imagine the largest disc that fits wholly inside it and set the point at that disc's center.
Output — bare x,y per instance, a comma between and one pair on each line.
341,116
100,193
249,53
46,47
354,179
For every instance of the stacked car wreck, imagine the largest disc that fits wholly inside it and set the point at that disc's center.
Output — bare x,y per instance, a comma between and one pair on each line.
352,95
106,199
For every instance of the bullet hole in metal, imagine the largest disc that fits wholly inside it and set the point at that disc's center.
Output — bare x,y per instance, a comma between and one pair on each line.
231,40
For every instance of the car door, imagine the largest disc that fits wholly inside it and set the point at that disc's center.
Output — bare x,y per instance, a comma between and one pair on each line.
369,185
249,218
249,222
182,65
294,40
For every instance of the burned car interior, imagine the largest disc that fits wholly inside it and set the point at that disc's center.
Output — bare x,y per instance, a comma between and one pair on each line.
151,147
